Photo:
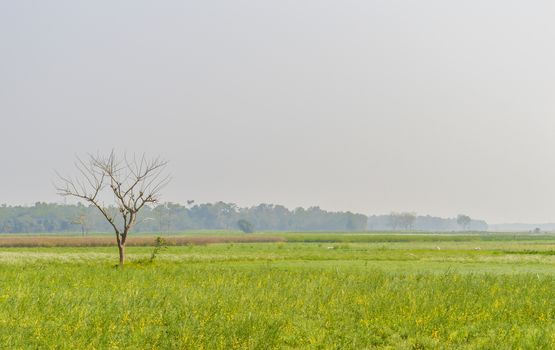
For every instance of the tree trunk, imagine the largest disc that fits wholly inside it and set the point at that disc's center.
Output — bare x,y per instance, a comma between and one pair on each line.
121,249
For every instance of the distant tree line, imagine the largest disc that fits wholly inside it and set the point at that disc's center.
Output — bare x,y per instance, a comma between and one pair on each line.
410,221
172,217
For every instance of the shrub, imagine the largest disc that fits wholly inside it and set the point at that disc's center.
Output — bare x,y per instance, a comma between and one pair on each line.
245,226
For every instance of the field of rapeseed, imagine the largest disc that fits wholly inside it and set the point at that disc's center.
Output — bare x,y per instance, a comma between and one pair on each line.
282,295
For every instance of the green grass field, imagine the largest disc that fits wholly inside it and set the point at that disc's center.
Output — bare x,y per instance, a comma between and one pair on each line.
311,291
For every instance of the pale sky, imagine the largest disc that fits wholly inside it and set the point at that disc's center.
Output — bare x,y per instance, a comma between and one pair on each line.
437,107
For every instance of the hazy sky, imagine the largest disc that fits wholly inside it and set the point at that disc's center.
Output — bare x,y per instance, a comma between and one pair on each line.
438,107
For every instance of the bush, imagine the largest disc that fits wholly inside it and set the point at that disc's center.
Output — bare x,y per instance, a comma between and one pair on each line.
245,226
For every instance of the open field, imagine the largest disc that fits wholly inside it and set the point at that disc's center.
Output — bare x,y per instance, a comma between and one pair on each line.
320,291
138,241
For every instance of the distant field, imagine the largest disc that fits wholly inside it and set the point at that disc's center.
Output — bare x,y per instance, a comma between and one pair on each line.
141,240
212,237
303,291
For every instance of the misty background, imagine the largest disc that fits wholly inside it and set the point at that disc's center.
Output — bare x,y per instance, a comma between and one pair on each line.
433,107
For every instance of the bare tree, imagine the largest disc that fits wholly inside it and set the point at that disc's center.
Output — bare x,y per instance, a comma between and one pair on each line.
82,221
131,182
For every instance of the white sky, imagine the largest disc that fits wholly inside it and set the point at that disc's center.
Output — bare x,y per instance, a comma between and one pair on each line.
438,107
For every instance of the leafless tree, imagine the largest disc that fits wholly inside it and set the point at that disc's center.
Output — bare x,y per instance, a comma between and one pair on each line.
129,183
82,221
404,220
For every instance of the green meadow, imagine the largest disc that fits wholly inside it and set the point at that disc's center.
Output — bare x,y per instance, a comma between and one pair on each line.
309,291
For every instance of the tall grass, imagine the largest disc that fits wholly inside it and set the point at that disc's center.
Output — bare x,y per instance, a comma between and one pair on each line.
166,305
390,295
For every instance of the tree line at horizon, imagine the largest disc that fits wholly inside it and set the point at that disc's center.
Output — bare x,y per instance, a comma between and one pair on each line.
173,217
407,221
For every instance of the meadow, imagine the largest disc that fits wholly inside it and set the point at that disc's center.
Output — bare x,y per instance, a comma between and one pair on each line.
280,291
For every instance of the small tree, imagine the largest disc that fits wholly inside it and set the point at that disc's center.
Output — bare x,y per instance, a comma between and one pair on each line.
245,226
159,245
463,221
131,183
82,221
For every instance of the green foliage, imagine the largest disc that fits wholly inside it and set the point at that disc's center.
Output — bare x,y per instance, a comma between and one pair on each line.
245,226
159,245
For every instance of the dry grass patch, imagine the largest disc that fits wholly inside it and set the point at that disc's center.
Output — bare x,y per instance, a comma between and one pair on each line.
50,241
